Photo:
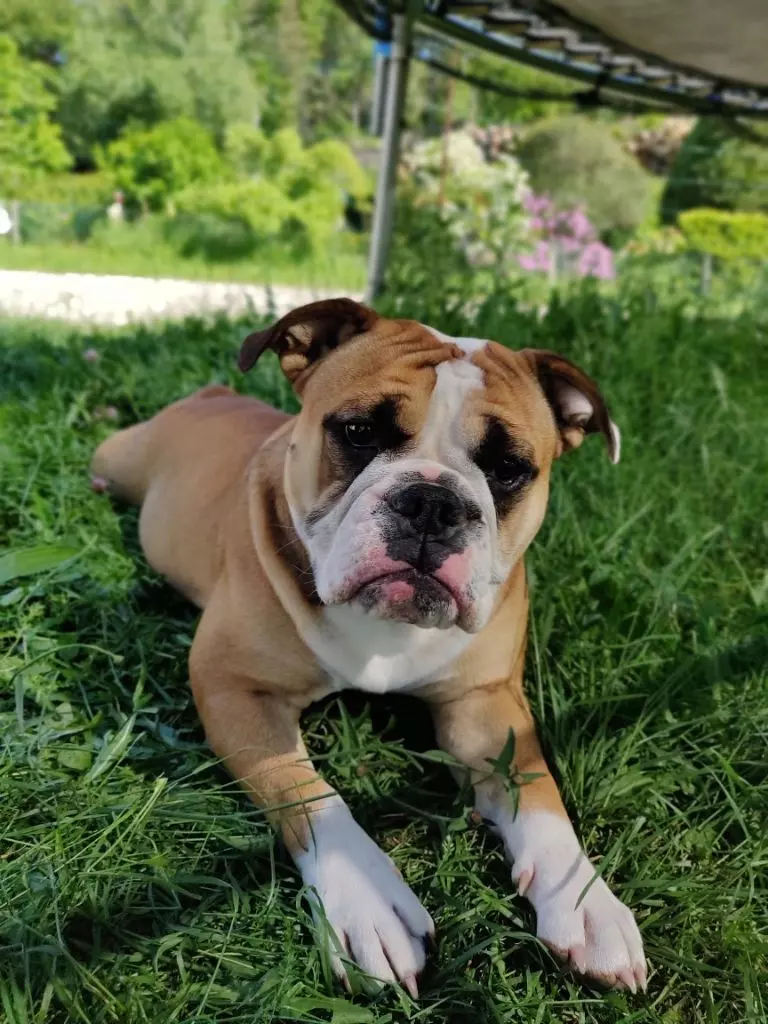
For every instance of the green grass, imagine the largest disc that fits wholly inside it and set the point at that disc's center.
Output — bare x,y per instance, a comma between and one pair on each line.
138,885
343,269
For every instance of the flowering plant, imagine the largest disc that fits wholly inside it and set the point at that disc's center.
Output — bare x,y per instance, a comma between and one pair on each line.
479,201
564,238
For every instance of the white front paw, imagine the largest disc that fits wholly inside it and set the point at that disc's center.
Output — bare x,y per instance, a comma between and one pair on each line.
354,886
577,915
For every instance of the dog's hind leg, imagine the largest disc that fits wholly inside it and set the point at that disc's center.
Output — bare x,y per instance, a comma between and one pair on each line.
119,464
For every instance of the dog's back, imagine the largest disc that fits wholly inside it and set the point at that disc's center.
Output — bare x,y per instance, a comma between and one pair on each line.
181,467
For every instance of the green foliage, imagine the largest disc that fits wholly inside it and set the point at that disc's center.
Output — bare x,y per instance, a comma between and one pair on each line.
480,201
30,143
312,63
717,169
145,61
493,107
245,147
578,161
92,189
152,165
46,223
296,195
41,29
229,220
730,236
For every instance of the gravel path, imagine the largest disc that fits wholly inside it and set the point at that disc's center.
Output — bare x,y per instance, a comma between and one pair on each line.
117,300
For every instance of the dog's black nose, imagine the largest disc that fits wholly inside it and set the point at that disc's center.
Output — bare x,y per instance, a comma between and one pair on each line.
429,509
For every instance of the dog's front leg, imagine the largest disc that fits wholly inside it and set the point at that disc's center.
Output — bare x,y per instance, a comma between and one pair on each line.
376,920
577,915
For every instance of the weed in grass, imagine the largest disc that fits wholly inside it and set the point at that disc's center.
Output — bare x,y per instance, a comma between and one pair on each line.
138,885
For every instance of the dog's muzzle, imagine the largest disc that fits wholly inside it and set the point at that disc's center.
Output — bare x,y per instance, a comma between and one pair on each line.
421,574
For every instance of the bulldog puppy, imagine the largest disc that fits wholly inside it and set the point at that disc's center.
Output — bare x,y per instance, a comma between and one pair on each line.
376,541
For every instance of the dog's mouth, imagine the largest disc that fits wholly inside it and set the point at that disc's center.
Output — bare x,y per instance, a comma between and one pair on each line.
408,595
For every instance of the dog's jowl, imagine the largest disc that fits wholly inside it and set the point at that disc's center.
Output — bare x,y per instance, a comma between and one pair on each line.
376,541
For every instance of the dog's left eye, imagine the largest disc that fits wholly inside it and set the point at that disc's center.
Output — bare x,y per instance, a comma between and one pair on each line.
359,434
511,471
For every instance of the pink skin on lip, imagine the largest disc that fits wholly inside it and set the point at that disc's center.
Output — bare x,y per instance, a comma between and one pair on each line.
455,572
398,591
375,565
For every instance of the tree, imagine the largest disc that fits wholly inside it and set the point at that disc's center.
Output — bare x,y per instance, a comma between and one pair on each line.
716,168
41,29
30,144
145,61
312,63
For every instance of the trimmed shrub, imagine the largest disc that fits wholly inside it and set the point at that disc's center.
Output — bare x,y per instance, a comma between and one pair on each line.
718,170
729,236
579,162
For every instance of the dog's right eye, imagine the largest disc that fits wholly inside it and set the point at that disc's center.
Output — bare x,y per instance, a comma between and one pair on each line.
359,434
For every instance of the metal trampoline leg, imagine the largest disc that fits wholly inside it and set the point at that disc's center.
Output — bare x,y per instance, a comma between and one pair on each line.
383,212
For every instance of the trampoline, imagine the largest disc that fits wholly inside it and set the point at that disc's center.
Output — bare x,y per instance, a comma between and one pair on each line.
700,56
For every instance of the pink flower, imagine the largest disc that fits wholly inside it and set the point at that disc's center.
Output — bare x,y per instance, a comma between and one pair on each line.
538,260
580,225
565,233
596,260
91,355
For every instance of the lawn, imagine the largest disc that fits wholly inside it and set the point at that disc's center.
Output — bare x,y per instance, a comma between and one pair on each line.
152,257
138,885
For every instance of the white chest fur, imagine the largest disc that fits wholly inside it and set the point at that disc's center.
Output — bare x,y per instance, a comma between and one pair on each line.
364,653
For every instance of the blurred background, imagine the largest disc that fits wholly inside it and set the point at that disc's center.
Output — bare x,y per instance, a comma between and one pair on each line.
231,141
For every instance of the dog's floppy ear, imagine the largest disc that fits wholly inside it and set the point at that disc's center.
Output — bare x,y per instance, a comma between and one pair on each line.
576,402
306,334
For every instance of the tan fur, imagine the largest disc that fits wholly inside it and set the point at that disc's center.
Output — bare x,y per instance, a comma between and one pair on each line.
212,473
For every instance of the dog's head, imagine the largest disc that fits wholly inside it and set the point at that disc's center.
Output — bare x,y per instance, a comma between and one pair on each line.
418,469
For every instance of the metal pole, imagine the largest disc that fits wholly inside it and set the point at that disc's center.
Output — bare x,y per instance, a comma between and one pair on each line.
381,232
380,75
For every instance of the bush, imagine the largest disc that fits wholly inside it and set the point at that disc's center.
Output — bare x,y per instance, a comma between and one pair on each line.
579,162
730,236
295,197
229,220
716,169
153,165
480,201
245,148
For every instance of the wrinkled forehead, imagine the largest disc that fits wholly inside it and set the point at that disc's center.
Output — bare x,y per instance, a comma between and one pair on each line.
420,367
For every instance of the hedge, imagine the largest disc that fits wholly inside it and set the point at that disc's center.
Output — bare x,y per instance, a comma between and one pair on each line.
727,235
